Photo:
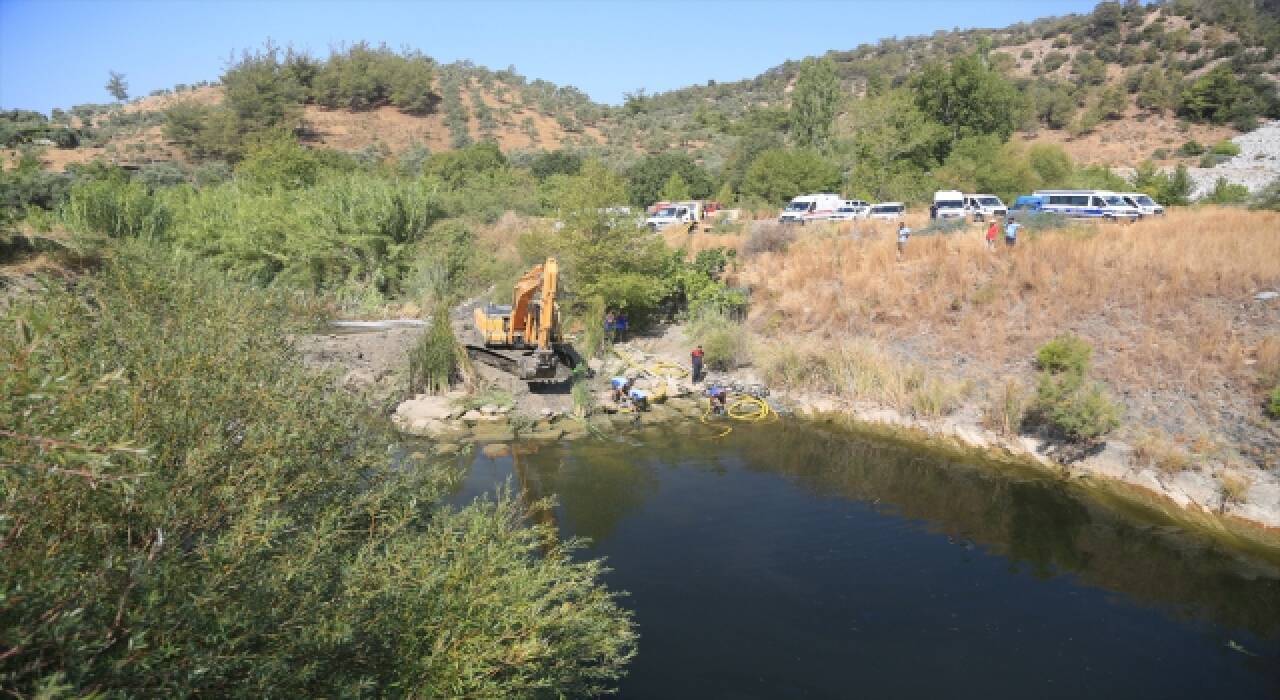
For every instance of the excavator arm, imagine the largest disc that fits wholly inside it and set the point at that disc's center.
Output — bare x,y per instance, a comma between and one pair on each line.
524,338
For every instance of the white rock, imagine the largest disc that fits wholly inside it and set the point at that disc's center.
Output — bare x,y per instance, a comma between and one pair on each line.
426,407
489,409
472,417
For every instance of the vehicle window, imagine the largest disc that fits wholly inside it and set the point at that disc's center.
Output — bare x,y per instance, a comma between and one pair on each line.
797,206
1115,201
1146,201
1059,200
990,201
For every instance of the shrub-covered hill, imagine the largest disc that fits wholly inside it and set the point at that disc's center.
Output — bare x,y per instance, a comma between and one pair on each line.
1205,67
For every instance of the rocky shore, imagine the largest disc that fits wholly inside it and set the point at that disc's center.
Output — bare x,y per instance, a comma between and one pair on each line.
512,412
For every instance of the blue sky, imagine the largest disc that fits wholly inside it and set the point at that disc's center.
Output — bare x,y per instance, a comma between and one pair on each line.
56,53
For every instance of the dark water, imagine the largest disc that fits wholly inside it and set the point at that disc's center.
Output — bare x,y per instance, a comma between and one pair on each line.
791,561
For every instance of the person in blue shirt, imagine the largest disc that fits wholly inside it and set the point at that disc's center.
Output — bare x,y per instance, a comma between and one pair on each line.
1011,233
620,386
903,234
639,399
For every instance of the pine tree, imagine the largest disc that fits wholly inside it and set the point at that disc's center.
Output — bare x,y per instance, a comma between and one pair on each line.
117,86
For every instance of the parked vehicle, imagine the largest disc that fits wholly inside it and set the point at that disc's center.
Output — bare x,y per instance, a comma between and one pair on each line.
1144,202
948,204
984,206
675,213
1089,204
887,211
810,207
1025,206
851,209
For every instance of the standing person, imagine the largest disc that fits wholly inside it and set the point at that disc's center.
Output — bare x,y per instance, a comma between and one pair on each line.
903,234
991,234
695,359
620,325
610,322
1011,233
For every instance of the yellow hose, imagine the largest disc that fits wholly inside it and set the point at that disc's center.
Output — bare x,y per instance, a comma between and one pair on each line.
744,408
656,369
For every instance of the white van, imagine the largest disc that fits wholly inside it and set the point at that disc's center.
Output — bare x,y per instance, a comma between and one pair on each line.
948,204
1144,202
849,210
1088,204
810,207
984,206
675,213
887,211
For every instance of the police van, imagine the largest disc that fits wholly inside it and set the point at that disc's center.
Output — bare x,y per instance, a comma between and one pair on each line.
1088,204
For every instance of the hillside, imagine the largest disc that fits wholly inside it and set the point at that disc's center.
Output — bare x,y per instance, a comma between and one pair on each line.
1108,87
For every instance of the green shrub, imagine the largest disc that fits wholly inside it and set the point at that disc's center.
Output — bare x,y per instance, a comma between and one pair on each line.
191,512
1064,354
1226,193
1273,402
722,339
1079,412
435,358
1065,402
1225,148
1191,148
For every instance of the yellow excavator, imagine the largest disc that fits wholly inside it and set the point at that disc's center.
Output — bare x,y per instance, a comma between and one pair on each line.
525,338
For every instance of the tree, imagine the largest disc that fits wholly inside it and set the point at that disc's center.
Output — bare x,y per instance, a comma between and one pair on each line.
117,86
646,179
778,175
561,162
1217,96
259,509
968,98
1051,164
1157,90
605,255
261,93
675,189
891,144
813,103
984,164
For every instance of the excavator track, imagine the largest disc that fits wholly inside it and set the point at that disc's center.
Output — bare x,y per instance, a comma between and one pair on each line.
508,361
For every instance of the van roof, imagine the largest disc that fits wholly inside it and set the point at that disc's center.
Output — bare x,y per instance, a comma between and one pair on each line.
888,204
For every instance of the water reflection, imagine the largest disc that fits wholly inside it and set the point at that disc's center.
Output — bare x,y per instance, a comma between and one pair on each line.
1036,523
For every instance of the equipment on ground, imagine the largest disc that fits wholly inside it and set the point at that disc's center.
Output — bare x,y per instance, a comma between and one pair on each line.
525,338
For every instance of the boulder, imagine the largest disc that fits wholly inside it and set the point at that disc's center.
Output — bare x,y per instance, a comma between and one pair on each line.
489,409
447,448
424,408
595,364
493,432
543,434
494,450
472,417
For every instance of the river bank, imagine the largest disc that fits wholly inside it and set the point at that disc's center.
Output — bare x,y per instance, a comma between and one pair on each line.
501,409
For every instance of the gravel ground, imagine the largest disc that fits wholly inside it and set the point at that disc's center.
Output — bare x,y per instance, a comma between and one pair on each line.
1257,166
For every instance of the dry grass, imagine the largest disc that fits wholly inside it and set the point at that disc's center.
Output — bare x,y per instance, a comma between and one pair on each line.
1159,300
1268,360
1006,407
1155,449
858,370
1235,487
